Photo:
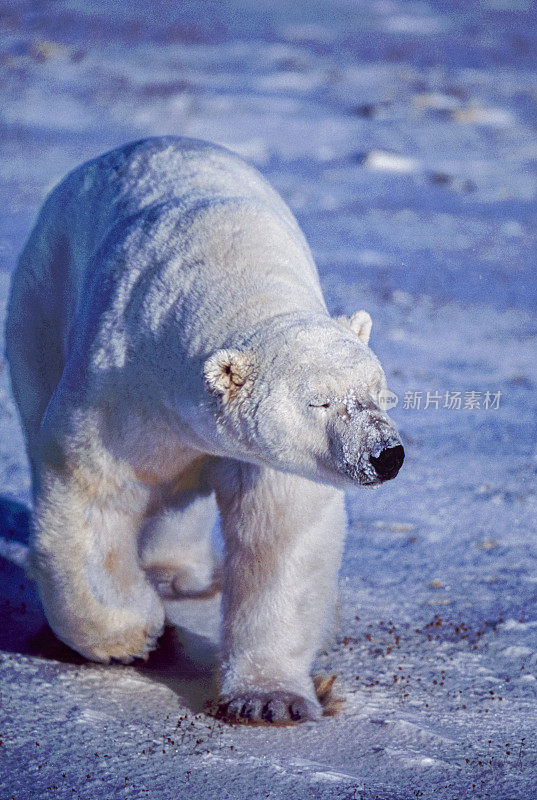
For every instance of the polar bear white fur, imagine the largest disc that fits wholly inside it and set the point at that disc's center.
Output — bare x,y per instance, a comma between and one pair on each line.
171,352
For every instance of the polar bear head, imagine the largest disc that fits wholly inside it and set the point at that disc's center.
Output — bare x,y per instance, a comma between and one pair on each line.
302,395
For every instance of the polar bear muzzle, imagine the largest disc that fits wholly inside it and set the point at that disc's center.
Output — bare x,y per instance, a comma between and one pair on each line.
368,469
365,445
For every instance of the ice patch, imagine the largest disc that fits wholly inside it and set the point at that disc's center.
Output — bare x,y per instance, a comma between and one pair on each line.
389,162
372,258
436,100
517,626
517,651
478,115
396,527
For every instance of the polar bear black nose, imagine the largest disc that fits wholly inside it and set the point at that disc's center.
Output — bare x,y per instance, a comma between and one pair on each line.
389,462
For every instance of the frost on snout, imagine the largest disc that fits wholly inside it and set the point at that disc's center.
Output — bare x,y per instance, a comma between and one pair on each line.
364,443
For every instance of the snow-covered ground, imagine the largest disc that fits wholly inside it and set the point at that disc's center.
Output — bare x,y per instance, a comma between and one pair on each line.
403,135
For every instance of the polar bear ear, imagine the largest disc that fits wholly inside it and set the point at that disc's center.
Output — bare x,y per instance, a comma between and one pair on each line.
360,323
228,372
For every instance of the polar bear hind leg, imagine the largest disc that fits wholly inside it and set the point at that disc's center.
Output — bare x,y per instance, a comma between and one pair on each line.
84,559
175,546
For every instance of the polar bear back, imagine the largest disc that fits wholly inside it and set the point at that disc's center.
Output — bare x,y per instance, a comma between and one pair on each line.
148,259
164,201
106,192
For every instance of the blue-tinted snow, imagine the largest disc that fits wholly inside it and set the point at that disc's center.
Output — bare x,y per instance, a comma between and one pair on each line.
403,135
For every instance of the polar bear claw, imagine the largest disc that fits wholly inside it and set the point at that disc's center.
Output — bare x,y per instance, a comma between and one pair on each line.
276,707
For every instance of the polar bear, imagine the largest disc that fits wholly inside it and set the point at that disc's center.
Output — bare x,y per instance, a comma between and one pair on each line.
172,356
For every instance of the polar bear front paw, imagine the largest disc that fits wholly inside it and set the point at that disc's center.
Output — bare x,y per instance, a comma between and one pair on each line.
278,707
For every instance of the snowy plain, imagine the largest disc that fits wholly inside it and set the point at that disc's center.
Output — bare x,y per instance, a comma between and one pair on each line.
403,135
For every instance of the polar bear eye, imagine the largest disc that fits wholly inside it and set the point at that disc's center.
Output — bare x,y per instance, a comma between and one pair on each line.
319,405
